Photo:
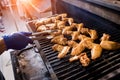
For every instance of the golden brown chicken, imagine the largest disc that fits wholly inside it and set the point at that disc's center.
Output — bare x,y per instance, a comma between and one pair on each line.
56,33
93,34
61,24
75,35
51,26
67,30
63,15
57,47
47,21
72,43
42,28
79,27
110,45
70,21
84,60
74,58
88,43
83,37
105,37
38,23
64,51
78,49
96,51
59,40
84,31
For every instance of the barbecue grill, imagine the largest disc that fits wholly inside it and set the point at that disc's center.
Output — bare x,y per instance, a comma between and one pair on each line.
107,67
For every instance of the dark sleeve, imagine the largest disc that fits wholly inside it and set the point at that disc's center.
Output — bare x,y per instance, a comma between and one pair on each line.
1,76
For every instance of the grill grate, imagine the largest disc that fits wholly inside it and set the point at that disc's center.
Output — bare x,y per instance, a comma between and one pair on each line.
64,70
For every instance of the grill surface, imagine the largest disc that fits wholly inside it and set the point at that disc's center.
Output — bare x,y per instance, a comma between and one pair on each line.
64,70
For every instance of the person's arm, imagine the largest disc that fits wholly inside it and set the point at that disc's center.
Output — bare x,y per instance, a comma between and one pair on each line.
2,46
15,41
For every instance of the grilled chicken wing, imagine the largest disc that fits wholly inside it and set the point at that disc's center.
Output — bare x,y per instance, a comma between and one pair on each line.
67,30
57,47
59,40
110,45
57,33
64,51
51,26
84,60
42,28
96,51
61,24
74,58
78,49
75,35
84,31
79,27
64,15
105,37
38,23
83,37
93,34
70,21
72,43
47,21
88,43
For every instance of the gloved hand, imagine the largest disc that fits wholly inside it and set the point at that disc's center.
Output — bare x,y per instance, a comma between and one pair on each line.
17,40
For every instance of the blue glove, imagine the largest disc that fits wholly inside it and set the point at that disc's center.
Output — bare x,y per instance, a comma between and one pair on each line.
17,40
